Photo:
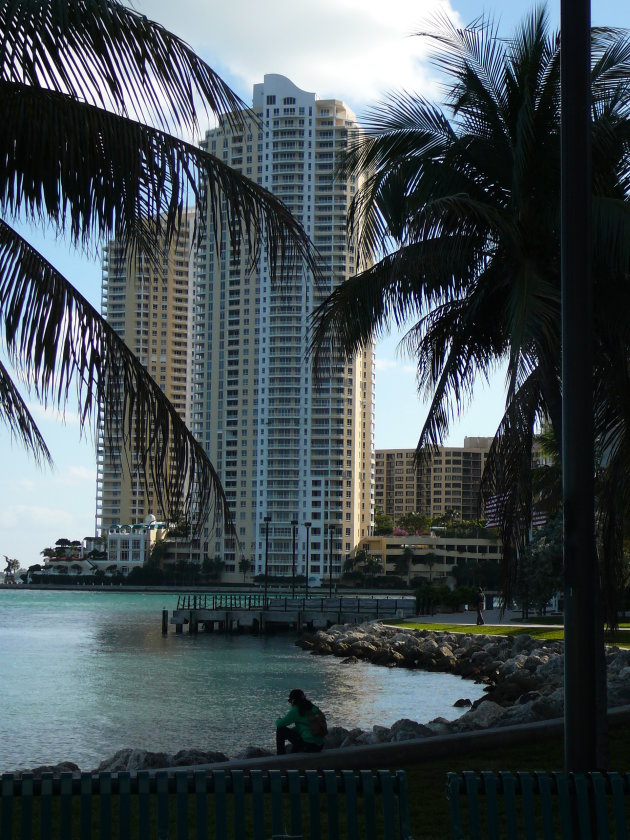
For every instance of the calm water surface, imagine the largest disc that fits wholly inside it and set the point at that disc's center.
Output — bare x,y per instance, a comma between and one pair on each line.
84,674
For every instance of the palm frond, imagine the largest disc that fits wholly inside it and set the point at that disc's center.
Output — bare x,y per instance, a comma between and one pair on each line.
377,294
58,342
610,51
94,173
395,140
18,419
453,349
107,54
475,47
400,287
405,125
507,478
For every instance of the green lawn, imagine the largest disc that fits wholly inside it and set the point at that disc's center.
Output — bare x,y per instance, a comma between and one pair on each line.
621,638
484,629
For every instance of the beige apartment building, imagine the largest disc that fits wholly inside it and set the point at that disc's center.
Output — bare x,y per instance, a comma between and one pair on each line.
448,479
432,556
295,456
149,304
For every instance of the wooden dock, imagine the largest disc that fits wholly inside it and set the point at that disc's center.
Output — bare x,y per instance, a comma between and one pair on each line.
231,613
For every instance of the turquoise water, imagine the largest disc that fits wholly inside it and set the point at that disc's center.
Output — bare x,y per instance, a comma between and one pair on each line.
84,674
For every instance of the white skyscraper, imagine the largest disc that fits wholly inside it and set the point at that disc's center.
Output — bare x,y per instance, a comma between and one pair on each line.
289,451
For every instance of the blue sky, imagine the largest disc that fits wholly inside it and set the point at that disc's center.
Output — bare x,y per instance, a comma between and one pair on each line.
355,50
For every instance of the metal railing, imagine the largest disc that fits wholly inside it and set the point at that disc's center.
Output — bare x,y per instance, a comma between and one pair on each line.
231,601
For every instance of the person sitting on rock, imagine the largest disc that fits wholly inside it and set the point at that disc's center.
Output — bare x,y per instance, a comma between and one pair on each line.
296,728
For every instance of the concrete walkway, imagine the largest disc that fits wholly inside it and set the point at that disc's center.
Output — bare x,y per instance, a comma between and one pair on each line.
511,618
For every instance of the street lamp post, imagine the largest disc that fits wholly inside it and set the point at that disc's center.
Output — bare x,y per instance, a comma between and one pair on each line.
307,525
294,524
331,531
267,521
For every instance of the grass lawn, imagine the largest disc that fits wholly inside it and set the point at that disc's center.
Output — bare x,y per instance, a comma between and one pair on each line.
621,638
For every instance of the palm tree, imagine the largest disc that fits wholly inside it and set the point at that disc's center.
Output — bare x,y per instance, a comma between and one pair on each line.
430,559
404,561
364,562
11,567
469,196
372,566
245,566
94,102
352,561
213,567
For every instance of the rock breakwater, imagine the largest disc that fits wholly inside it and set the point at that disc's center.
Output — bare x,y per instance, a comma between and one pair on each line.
524,676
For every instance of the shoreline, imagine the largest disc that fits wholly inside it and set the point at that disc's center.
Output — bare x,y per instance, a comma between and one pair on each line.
321,592
524,677
523,681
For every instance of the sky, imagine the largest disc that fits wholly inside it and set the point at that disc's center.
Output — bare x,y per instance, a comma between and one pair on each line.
354,50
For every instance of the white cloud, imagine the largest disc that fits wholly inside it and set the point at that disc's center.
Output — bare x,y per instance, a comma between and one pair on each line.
26,529
20,517
347,49
70,476
51,414
385,364
80,474
395,365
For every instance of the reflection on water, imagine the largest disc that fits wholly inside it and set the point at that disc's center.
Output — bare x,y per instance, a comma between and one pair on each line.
84,674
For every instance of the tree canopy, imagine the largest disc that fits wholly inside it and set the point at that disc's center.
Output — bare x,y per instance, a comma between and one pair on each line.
540,566
469,195
383,524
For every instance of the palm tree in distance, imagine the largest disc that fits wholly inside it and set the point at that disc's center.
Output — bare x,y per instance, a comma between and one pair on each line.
469,197
94,100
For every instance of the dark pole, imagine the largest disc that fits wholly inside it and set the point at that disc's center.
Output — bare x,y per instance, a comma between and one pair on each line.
331,530
307,525
294,527
267,521
584,732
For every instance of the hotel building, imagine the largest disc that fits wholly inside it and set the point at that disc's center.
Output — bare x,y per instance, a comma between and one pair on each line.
448,479
294,456
433,556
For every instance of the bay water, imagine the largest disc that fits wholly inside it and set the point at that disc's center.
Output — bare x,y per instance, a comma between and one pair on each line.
85,673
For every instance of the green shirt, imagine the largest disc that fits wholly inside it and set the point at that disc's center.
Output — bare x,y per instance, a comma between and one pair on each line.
301,723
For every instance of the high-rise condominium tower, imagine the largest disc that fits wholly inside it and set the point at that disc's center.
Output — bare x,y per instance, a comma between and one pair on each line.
149,304
289,451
